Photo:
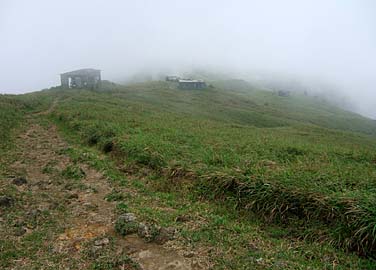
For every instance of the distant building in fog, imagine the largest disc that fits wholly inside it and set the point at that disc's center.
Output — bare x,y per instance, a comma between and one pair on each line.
283,93
82,78
172,78
191,84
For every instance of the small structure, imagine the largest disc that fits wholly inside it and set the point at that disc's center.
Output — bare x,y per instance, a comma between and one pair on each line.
82,78
191,84
283,93
172,78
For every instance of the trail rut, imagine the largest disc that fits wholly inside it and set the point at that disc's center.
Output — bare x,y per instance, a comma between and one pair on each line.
42,159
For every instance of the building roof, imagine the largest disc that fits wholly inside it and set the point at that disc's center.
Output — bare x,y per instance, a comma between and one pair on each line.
84,71
190,81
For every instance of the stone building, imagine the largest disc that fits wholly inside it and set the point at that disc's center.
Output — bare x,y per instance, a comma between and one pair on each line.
192,84
172,78
82,78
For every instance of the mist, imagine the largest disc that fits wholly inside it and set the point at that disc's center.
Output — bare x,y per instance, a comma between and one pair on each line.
325,40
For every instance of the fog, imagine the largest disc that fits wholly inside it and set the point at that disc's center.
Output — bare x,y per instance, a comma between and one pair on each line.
328,40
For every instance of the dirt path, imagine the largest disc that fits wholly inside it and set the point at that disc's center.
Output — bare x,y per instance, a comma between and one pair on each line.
50,109
74,195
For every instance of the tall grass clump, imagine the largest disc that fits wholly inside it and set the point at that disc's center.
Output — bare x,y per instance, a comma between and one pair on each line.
11,113
141,155
351,224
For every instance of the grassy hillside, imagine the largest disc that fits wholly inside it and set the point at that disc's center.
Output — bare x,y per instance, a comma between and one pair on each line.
11,112
293,160
298,107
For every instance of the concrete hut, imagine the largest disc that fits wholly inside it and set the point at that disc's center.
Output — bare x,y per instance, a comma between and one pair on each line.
172,78
82,78
192,84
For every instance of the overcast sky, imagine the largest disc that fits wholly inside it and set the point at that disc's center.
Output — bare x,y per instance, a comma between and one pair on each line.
331,39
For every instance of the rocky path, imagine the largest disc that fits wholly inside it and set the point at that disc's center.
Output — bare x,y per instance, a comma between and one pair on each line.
76,222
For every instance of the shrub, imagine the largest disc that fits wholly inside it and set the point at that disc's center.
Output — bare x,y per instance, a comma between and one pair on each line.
122,207
143,156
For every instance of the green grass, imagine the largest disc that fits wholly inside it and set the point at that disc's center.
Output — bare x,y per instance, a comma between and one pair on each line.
238,240
73,172
10,116
297,162
292,160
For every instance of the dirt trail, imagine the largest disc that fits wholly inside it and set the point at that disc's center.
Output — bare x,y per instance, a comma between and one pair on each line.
88,216
50,109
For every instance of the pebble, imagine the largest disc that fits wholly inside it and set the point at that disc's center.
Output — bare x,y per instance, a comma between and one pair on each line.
128,217
6,201
102,242
19,181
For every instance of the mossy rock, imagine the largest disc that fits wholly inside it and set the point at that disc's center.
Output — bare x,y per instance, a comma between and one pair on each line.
126,224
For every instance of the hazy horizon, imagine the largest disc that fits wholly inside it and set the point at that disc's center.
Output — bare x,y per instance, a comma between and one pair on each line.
333,41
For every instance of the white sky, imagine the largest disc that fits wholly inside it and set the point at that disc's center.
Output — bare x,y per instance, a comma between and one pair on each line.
332,39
